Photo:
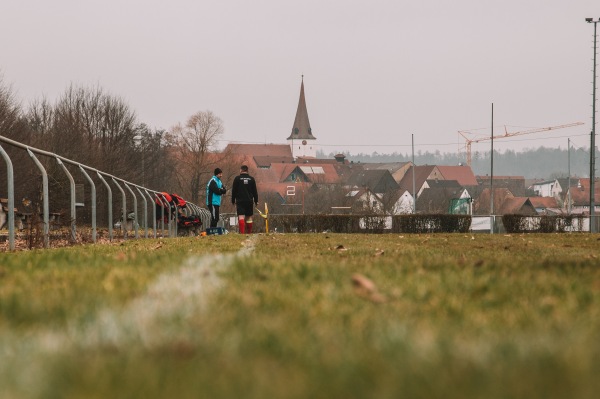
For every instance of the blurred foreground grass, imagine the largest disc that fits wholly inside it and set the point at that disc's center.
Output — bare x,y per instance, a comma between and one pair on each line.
305,316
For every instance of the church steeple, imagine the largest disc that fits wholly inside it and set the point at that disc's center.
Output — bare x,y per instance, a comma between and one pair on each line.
301,129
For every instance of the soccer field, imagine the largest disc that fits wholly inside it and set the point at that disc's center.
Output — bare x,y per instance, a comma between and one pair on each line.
304,316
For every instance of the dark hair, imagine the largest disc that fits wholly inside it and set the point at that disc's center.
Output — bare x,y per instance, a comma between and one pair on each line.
217,171
244,168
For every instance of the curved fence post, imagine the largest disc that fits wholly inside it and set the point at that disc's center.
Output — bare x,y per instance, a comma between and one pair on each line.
93,194
153,212
145,212
161,198
110,217
11,198
135,215
124,213
162,212
45,202
72,188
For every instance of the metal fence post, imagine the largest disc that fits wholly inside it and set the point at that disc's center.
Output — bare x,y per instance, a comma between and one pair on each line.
145,212
11,198
124,213
110,217
153,212
135,215
93,195
46,206
72,187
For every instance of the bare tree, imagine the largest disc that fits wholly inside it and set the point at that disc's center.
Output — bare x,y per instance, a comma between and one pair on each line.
89,126
192,143
96,127
12,123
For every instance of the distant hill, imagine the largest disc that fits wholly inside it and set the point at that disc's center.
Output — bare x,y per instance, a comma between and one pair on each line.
534,163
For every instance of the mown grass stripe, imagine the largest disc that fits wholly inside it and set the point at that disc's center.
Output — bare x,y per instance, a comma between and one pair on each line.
152,320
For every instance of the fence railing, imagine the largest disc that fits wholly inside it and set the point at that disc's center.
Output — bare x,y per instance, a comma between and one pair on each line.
144,194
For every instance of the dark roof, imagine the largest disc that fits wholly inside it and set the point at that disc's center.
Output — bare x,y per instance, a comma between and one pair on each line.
301,129
437,200
266,161
378,180
564,182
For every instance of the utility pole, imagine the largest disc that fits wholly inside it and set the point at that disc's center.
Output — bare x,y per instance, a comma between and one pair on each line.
569,177
413,175
492,178
593,136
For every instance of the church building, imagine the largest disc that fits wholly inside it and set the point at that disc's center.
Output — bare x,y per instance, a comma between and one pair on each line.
301,140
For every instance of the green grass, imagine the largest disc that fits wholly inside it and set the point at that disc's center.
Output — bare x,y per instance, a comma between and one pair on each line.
453,316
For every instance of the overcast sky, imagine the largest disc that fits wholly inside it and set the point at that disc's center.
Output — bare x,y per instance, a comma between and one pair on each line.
375,71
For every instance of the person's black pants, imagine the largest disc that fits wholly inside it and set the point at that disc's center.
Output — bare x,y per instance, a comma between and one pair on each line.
214,215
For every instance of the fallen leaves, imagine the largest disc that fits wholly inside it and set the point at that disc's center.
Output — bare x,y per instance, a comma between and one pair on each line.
366,289
339,248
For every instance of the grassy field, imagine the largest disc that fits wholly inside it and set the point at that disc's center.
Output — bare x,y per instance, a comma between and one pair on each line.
304,316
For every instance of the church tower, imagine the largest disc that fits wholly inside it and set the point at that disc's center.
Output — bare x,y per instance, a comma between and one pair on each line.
301,139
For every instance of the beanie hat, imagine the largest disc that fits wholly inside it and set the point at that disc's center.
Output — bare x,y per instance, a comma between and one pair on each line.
217,171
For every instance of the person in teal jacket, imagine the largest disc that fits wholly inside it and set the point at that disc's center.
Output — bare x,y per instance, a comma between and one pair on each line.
214,190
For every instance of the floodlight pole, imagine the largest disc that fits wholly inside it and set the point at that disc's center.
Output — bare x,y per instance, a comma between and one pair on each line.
492,177
569,176
593,135
413,175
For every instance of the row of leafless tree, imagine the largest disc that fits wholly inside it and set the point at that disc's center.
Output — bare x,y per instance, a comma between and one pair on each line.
95,128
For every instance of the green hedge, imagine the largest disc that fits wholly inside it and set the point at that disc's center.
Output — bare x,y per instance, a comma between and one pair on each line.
431,223
541,224
369,223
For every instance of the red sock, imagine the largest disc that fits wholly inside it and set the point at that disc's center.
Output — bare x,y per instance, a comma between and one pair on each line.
249,227
242,223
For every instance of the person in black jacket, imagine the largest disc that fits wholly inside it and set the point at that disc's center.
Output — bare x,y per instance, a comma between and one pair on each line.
245,197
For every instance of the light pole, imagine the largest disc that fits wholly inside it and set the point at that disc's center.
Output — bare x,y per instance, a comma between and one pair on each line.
139,140
593,134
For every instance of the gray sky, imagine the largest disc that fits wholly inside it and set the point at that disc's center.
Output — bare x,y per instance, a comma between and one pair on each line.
375,71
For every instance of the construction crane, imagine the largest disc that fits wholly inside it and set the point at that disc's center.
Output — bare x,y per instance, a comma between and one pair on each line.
469,141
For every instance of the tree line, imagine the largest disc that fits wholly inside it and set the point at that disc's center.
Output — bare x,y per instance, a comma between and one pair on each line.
542,162
98,129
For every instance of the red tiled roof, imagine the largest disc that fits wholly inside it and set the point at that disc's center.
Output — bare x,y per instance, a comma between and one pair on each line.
544,202
421,174
275,174
279,188
581,196
486,177
517,205
274,150
329,174
462,174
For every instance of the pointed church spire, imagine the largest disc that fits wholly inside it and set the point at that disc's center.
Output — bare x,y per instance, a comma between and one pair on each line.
301,129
